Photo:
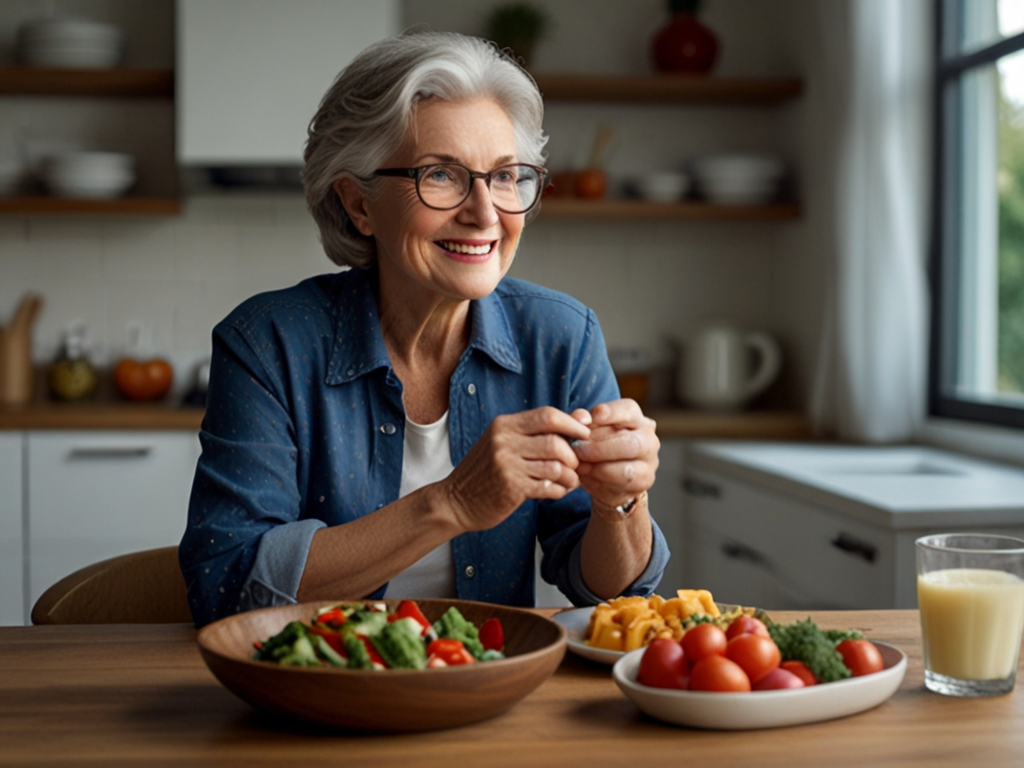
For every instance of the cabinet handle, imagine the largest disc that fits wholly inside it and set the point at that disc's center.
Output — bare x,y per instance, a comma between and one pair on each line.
736,551
129,452
701,490
854,546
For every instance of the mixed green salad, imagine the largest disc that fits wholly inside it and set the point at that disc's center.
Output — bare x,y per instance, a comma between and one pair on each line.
369,635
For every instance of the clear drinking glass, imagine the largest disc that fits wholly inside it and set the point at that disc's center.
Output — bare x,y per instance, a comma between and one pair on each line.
970,591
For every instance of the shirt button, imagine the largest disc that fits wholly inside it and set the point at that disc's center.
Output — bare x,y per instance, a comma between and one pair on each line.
350,372
471,389
470,571
388,429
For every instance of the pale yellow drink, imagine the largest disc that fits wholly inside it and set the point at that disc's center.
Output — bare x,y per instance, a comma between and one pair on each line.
971,622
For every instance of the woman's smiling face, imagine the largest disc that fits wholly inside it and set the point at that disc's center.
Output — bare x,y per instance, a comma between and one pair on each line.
458,254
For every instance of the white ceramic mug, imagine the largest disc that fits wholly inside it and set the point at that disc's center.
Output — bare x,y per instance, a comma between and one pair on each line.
718,370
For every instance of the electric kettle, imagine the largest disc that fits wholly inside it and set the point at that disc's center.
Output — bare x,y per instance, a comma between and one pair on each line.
723,368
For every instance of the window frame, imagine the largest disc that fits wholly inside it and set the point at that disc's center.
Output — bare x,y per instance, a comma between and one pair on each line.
945,259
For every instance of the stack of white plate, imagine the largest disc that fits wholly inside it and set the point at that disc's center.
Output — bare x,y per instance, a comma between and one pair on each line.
70,44
739,179
88,174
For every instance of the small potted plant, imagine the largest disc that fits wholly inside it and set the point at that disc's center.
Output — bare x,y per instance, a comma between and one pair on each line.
518,27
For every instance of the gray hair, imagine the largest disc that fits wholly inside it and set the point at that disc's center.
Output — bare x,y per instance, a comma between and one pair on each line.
365,115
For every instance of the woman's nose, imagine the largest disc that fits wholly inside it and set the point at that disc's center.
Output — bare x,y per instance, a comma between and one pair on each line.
479,207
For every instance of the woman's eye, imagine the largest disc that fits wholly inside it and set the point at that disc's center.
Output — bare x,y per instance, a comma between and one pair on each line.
439,175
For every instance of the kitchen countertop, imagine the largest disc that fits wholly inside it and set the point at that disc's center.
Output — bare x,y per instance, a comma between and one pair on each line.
141,694
672,422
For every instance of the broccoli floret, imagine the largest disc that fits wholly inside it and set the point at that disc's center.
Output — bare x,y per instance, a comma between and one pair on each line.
803,641
838,635
455,626
358,656
400,644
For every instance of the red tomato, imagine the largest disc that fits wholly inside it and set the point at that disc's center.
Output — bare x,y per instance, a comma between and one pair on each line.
801,670
451,652
777,679
664,665
492,635
702,641
717,673
148,380
755,654
861,656
746,625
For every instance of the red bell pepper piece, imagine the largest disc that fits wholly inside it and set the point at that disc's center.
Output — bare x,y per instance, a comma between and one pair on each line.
451,652
374,656
407,609
492,635
333,618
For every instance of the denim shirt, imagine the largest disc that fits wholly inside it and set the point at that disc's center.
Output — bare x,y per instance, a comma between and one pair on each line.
304,429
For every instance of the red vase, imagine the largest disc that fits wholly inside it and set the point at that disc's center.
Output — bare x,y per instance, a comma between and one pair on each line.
684,45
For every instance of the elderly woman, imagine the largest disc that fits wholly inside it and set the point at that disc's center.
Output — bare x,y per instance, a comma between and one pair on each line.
411,427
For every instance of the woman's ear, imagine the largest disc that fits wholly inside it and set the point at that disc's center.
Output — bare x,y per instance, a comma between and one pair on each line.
354,203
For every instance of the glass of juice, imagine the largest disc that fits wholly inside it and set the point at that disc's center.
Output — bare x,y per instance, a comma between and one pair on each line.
970,591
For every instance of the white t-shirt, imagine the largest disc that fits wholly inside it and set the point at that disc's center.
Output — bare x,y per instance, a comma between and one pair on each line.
426,458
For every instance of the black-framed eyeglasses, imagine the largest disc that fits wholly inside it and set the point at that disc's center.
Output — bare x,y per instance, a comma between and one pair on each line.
444,186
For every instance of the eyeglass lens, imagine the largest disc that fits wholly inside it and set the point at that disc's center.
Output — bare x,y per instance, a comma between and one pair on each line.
514,188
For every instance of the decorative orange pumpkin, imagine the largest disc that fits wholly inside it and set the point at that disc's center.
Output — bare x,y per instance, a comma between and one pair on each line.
143,380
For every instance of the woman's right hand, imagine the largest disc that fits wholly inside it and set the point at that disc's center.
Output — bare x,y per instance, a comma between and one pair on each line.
521,456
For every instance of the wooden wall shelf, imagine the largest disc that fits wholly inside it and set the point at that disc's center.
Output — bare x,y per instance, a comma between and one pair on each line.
575,208
26,81
138,206
668,89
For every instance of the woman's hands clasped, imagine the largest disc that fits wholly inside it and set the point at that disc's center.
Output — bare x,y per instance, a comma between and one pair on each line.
613,454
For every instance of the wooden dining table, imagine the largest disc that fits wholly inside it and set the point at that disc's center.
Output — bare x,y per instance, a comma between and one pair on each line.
141,695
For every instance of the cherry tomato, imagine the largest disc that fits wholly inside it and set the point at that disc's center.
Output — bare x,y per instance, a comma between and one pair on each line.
717,673
492,635
451,652
801,670
861,656
664,665
777,679
755,654
702,641
746,625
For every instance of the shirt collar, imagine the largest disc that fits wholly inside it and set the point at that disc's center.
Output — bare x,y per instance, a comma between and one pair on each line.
359,345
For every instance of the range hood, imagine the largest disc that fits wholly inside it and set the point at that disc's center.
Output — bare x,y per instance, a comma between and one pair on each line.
250,76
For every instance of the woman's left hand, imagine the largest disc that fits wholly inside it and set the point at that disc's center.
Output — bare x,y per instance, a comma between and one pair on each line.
619,460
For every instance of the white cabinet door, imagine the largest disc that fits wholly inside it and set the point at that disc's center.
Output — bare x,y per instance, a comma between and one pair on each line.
12,581
667,503
97,494
251,75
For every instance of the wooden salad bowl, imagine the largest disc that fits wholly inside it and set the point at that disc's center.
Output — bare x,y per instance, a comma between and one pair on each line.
388,700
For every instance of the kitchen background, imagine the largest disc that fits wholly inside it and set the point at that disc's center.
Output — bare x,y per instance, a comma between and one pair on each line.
650,282
69,497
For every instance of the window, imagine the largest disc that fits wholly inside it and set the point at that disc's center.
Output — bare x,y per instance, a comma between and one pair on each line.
977,360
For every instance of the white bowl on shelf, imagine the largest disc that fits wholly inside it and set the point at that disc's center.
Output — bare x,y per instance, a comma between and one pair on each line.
88,174
663,186
70,43
739,178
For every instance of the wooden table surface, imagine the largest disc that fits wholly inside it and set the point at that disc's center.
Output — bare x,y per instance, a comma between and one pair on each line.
140,695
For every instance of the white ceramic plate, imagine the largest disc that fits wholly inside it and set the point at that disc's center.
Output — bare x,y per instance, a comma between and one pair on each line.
763,709
575,623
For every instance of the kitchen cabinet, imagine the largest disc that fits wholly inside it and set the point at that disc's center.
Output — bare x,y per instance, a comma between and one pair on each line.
250,79
12,580
800,527
667,503
118,491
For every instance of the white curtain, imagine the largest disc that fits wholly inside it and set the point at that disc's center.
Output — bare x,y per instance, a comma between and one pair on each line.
871,382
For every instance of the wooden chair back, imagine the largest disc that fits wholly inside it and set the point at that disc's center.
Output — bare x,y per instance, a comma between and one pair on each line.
138,588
